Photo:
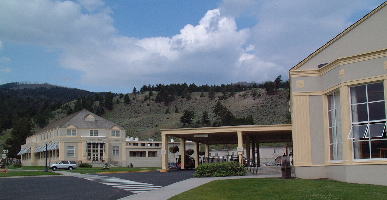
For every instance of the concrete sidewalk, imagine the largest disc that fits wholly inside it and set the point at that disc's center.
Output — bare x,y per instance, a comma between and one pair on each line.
182,186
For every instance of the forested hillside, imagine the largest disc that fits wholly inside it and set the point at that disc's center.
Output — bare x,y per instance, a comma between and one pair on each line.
25,108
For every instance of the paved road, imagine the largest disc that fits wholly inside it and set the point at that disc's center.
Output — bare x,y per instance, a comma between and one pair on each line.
106,186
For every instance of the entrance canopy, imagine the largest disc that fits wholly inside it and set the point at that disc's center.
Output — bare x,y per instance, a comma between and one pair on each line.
227,135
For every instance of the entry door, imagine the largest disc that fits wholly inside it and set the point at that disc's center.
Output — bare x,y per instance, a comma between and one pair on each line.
94,153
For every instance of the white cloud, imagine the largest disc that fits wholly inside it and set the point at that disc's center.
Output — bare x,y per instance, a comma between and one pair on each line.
5,69
4,59
212,51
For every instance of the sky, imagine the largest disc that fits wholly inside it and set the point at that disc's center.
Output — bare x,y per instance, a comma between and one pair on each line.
114,45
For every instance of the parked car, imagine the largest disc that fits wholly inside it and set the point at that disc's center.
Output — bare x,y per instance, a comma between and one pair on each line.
70,165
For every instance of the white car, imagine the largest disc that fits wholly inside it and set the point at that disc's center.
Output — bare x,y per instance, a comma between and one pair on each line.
70,165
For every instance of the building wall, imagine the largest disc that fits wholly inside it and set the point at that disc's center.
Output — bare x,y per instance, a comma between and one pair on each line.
309,90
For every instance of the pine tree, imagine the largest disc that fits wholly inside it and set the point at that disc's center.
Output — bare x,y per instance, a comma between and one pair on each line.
108,103
187,117
205,119
126,99
176,109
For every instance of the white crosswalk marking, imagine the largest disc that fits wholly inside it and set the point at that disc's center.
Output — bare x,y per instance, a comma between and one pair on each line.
127,185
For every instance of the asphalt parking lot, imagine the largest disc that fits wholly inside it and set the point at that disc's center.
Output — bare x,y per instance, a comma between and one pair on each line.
67,187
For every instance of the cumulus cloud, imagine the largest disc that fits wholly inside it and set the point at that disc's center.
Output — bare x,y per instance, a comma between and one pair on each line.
214,50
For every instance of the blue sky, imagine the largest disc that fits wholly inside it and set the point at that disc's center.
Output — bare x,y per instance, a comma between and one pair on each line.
114,45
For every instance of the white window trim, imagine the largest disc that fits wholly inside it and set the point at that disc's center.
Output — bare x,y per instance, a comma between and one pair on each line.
67,151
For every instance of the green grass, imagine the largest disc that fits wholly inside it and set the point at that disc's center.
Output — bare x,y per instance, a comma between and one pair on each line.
26,173
274,189
27,167
113,169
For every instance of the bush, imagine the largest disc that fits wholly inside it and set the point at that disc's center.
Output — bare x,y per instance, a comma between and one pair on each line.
220,169
85,165
17,165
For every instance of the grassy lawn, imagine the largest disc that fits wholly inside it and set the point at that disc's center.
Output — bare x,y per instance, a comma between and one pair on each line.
26,173
267,189
27,167
112,169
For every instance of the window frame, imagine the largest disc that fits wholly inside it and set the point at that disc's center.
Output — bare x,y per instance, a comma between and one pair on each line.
68,150
337,137
92,133
116,133
116,151
369,122
72,131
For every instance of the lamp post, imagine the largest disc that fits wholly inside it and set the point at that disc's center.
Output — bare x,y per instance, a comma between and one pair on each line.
46,168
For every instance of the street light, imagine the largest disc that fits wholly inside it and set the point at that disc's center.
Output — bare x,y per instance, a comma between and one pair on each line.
46,168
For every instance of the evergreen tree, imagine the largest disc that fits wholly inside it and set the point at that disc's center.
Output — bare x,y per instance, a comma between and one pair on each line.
134,91
126,99
205,119
202,94
211,94
108,103
167,111
21,130
176,109
187,117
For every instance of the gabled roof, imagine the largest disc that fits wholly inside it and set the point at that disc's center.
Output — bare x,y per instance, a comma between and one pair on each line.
340,35
78,120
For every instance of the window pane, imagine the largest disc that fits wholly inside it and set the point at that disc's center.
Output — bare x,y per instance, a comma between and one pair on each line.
358,94
379,149
375,92
359,113
376,111
361,150
359,131
377,130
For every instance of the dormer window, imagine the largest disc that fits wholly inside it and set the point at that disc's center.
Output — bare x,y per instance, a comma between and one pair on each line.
90,118
71,132
93,132
115,133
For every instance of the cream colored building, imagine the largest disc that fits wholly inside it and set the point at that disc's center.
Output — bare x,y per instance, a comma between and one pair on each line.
82,137
338,96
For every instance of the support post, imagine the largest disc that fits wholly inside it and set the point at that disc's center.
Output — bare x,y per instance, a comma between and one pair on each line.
248,150
258,156
240,147
253,151
182,153
196,154
164,152
206,152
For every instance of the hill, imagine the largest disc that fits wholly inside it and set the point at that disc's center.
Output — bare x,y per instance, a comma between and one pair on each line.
25,108
143,117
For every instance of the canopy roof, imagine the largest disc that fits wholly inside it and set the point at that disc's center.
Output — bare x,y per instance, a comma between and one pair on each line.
228,134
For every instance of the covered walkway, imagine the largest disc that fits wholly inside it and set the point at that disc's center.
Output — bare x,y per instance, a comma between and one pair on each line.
247,137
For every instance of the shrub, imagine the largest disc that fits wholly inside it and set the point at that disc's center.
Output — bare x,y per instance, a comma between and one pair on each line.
220,169
17,165
85,165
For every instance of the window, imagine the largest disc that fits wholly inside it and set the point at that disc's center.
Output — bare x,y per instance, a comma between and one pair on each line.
71,132
70,151
335,136
368,121
143,144
152,153
93,132
116,150
135,144
157,144
137,153
115,133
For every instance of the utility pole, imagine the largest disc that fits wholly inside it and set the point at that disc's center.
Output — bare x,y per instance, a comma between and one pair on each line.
46,169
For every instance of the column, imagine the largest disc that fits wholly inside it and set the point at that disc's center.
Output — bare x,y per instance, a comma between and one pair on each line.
182,153
345,123
240,147
206,152
107,152
196,154
248,150
33,156
61,150
258,156
164,152
253,151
